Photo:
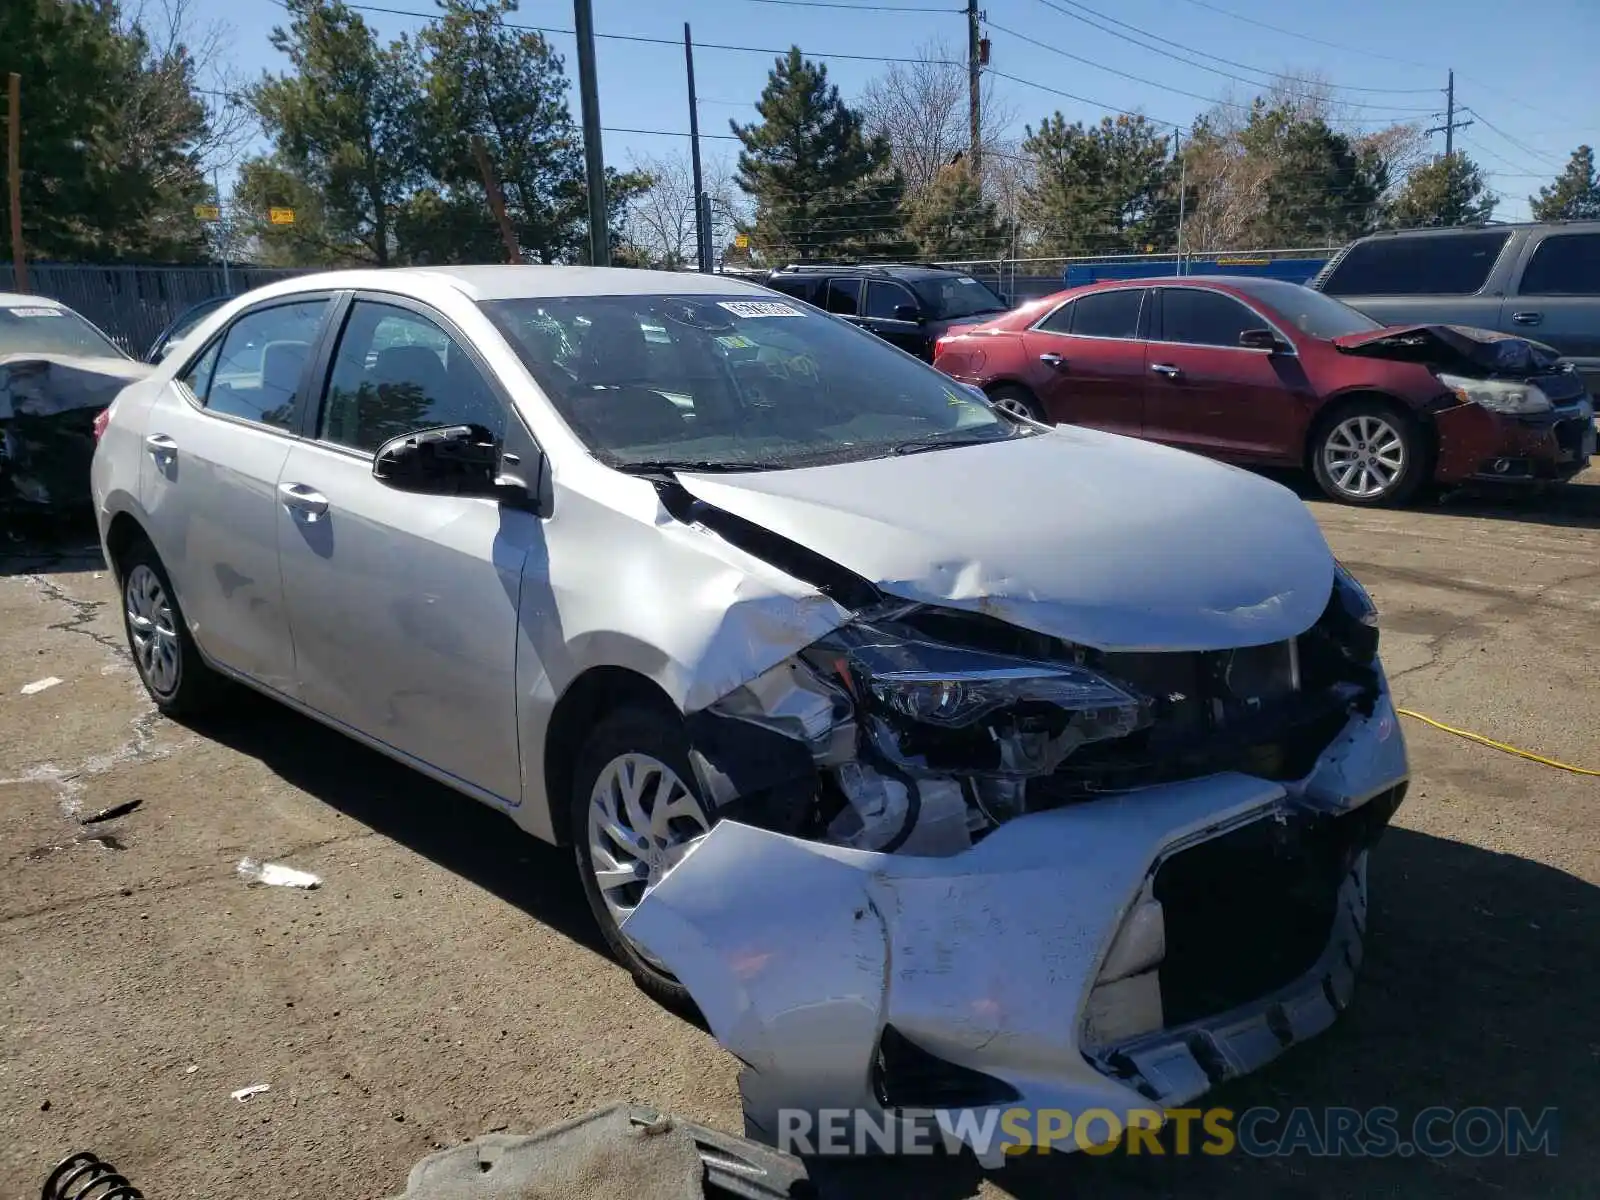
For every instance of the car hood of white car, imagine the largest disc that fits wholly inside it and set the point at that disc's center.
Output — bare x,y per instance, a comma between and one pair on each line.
1104,541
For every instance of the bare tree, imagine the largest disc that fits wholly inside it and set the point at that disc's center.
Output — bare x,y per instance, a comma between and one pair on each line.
661,223
922,108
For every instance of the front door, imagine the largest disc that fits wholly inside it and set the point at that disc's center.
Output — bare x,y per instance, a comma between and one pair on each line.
1206,392
1557,299
892,312
404,606
1086,361
215,439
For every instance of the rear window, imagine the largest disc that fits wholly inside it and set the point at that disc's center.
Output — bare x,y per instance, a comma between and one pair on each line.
1452,265
1564,264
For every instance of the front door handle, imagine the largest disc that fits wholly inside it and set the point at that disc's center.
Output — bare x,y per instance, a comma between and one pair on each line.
1052,360
161,447
1167,369
1527,318
299,498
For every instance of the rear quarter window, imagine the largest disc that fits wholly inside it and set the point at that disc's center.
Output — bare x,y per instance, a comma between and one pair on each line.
1453,265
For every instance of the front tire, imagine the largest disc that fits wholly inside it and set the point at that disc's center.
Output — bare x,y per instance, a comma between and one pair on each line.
178,680
634,811
1369,454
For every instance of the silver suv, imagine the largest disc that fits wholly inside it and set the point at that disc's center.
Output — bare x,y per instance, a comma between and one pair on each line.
1539,281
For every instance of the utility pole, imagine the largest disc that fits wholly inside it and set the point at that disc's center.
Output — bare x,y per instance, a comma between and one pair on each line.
702,228
1450,123
593,154
1177,150
702,208
973,86
224,231
19,260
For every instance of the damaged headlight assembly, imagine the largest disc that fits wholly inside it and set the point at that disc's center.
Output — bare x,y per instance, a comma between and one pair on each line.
1497,395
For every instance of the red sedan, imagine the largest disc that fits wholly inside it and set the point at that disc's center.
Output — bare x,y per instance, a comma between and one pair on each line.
1267,372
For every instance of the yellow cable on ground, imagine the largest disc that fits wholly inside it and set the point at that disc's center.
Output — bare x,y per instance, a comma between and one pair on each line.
1494,745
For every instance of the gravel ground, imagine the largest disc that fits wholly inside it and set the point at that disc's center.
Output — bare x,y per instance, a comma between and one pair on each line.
446,980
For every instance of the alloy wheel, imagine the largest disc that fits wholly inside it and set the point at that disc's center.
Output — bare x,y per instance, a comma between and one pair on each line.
1364,456
152,630
641,820
1014,405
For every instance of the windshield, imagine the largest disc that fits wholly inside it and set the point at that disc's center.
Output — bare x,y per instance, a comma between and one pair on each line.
1313,313
39,327
952,296
734,383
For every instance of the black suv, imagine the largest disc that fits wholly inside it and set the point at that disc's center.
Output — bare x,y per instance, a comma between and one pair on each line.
909,306
1535,280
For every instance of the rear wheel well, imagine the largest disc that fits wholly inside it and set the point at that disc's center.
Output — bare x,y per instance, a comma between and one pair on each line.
592,695
124,532
1333,411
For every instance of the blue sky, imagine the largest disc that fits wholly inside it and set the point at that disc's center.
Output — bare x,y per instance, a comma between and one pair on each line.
1529,83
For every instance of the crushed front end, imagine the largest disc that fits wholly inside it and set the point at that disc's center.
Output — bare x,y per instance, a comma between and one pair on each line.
960,865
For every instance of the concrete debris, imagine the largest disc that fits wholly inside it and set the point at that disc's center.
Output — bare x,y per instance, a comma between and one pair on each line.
277,875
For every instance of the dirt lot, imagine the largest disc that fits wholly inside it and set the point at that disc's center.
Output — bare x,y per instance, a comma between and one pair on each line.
446,980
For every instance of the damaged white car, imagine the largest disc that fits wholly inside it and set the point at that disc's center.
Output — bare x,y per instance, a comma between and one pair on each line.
946,761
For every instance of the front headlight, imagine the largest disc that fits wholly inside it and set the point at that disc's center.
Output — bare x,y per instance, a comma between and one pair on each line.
1497,395
1353,597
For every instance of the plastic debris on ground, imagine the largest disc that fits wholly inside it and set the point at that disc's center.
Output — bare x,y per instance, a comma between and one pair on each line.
39,685
276,874
245,1093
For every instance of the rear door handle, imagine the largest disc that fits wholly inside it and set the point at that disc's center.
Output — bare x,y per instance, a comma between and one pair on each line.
299,498
1527,318
161,447
1167,369
1052,360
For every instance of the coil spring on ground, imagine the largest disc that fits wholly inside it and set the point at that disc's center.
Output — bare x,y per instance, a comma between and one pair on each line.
83,1176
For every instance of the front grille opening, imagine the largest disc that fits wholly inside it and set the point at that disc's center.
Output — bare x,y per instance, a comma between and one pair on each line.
1251,911
904,1075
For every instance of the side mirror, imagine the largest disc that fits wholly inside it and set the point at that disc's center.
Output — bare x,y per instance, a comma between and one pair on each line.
1262,339
459,460
907,312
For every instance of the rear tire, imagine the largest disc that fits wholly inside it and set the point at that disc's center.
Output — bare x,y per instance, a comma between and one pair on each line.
634,807
169,664
1018,401
1370,454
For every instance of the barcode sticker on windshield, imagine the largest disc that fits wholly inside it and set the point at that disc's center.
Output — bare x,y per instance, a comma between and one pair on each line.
34,312
965,279
759,308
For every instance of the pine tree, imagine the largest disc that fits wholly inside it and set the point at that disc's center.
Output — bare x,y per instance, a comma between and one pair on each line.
951,219
1102,188
1448,191
822,188
1575,194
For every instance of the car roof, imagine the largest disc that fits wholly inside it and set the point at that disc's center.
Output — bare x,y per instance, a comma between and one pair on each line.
903,270
17,299
1582,224
518,282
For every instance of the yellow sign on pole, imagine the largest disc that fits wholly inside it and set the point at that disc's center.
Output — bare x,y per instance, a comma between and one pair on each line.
208,212
741,241
281,216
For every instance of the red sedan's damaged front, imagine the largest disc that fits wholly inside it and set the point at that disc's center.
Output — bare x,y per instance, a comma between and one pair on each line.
1478,444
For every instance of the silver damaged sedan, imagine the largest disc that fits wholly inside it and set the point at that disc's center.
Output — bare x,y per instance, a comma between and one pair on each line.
944,760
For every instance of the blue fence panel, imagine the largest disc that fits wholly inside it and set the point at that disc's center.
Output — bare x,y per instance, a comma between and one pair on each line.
1294,270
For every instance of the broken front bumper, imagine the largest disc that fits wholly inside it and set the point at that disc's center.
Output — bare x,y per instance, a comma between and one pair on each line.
1476,444
1107,954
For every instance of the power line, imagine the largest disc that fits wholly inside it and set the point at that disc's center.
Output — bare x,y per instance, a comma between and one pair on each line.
1109,70
1529,150
857,7
1183,58
1083,99
658,41
1306,37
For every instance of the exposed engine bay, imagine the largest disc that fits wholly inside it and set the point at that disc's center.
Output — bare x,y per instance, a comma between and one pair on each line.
920,730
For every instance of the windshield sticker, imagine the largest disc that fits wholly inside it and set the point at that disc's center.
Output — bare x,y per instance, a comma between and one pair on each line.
34,312
759,308
735,341
966,279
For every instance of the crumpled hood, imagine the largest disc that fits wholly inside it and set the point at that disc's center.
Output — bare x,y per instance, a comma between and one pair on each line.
1453,348
42,385
1104,541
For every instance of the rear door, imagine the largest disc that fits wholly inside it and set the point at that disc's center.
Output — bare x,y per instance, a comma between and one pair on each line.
885,312
1205,392
1085,361
1556,298
1423,278
215,441
404,606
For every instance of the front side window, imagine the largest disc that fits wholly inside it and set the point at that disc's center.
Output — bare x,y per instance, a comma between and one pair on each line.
396,372
259,366
1204,318
1564,264
884,297
733,382
1456,264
